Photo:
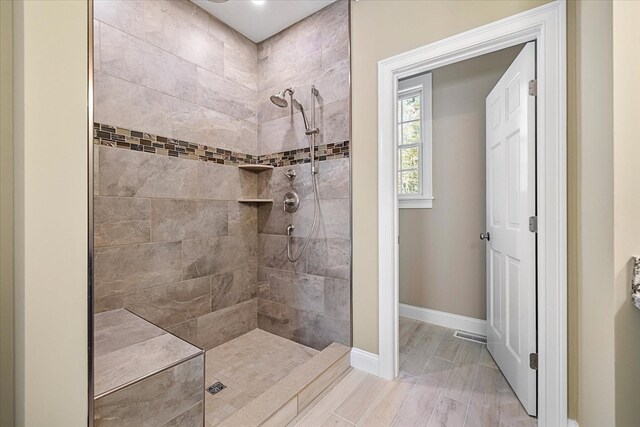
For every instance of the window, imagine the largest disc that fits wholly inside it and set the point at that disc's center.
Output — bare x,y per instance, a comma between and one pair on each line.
415,188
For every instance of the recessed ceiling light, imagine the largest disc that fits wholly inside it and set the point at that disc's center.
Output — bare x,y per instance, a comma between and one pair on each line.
258,2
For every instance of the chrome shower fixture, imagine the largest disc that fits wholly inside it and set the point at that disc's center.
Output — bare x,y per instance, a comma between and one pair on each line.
291,174
280,100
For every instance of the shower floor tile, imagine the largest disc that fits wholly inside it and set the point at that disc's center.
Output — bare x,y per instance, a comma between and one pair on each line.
248,366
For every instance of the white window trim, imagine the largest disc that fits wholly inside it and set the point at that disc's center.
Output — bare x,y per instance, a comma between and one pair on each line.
424,200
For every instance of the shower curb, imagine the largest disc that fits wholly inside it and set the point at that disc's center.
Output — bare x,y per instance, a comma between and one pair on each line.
282,402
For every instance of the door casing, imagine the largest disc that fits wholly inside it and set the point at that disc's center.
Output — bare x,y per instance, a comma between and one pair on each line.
547,26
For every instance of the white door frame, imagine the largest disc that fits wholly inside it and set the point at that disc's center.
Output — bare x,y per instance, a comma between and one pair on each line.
547,26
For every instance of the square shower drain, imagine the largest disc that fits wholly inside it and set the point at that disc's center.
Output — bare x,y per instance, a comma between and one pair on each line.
216,388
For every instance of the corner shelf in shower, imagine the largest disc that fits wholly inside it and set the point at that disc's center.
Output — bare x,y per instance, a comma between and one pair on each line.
257,201
255,168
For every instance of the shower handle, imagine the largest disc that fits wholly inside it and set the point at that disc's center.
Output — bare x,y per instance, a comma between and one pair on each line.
291,202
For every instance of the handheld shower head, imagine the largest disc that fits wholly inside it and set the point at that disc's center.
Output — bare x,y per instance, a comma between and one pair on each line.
299,106
279,99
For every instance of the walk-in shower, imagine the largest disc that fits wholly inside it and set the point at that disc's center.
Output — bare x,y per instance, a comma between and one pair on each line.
194,252
291,199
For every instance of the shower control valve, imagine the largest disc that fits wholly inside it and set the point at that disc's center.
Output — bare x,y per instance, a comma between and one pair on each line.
291,202
291,174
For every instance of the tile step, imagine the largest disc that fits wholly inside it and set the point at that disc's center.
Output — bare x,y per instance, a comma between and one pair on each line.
282,402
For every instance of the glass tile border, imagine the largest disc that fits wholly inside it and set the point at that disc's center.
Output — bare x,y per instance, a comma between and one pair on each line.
118,137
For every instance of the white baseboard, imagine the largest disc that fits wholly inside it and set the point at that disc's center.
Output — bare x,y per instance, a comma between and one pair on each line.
572,423
448,320
364,361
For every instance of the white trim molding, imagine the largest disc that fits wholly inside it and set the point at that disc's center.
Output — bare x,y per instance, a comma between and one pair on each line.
547,26
364,361
441,318
572,423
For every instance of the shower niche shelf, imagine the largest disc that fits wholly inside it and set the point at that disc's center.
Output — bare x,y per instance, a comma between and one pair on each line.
255,168
256,201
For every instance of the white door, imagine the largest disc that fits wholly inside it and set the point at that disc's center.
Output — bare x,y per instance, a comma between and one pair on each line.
511,247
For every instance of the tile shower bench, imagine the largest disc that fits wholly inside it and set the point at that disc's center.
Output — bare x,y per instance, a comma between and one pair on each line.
143,375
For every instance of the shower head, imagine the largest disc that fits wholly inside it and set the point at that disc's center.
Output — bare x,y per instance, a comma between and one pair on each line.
299,106
280,99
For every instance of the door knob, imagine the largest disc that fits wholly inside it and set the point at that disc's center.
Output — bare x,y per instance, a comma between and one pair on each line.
485,236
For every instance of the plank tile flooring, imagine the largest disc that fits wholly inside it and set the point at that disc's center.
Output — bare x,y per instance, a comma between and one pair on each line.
248,365
444,381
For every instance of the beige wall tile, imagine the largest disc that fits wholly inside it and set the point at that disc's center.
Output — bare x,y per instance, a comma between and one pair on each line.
169,305
182,38
127,268
174,220
156,400
125,15
224,325
121,221
136,61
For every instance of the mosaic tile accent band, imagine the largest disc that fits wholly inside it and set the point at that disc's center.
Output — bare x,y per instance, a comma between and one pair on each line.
113,136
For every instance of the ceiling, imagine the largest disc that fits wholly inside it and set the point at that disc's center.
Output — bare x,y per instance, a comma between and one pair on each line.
260,21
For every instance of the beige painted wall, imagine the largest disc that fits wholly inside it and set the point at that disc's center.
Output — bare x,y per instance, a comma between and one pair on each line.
381,29
626,205
6,215
591,132
51,132
442,260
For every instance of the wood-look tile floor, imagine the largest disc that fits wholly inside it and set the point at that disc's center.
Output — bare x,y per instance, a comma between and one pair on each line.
444,381
248,365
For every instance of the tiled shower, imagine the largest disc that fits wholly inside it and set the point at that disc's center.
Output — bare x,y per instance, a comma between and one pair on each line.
181,100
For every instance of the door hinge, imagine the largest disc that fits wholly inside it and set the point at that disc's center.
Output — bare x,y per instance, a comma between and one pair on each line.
533,361
533,87
533,224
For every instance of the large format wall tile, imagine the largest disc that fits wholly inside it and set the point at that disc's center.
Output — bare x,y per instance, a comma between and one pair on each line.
308,328
224,325
288,132
174,219
126,104
272,253
132,59
121,269
334,179
205,295
181,38
332,83
302,56
207,257
240,55
330,258
337,299
156,400
234,287
243,219
169,305
130,173
127,16
225,96
335,37
222,182
333,121
297,290
121,221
